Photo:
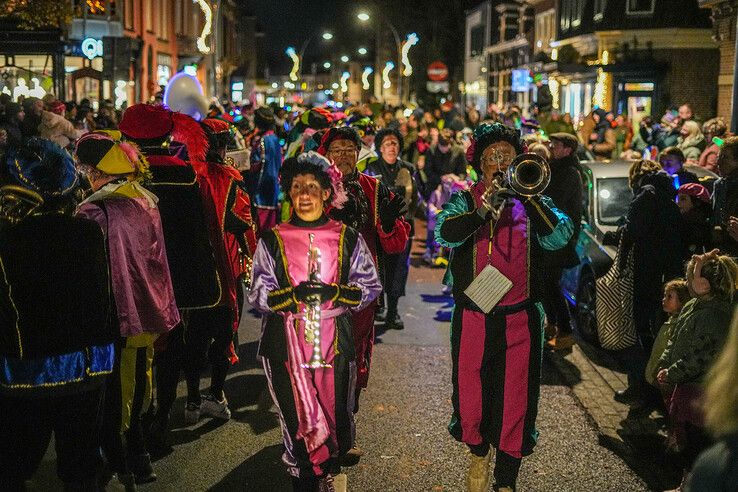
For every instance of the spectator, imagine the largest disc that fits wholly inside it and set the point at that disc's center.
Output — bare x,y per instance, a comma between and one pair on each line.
699,336
540,149
33,109
717,467
691,141
623,136
443,158
725,199
13,121
713,128
672,161
693,200
565,189
651,229
557,124
676,295
58,129
667,133
602,139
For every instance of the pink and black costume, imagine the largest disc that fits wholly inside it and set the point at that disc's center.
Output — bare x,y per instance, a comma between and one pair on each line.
315,405
497,356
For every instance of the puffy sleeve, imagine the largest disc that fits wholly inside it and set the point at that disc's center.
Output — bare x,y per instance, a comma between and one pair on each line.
363,283
265,294
552,227
456,222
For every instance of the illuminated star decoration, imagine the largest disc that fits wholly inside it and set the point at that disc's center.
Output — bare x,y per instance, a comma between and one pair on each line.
344,77
412,40
365,77
385,74
295,62
207,28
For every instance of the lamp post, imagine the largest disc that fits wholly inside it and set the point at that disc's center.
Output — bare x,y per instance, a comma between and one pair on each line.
298,57
365,17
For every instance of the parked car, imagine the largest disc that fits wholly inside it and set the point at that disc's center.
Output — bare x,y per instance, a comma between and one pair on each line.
606,199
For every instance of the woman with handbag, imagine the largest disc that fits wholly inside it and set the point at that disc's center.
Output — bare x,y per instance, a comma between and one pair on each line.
650,251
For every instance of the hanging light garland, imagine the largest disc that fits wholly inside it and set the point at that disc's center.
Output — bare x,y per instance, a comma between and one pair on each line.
295,62
385,74
207,28
365,77
412,40
344,78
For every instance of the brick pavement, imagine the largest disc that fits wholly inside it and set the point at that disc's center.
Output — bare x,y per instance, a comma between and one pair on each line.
635,435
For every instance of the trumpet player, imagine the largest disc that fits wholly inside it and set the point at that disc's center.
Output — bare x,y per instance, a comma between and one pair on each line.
496,355
311,367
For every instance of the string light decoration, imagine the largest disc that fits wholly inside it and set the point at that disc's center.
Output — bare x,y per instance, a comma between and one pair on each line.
412,40
603,81
344,78
385,75
365,77
96,6
295,62
121,94
207,28
553,85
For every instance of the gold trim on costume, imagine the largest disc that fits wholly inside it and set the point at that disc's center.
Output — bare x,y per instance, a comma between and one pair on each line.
17,314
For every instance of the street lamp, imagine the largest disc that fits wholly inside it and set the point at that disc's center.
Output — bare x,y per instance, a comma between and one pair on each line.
345,59
326,64
362,51
385,74
298,57
365,77
344,86
327,36
363,16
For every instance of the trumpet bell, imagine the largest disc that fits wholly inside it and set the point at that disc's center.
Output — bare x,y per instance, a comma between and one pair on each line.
529,174
17,203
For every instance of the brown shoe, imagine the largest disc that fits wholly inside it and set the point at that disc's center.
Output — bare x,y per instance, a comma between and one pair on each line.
352,456
478,476
561,342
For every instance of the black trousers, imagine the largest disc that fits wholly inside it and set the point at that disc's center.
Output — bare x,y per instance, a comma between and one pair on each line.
396,269
554,303
25,432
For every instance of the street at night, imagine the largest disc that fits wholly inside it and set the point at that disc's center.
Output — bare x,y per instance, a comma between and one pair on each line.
329,246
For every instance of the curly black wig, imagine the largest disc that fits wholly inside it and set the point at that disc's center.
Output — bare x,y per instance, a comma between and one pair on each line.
339,133
487,134
384,133
291,168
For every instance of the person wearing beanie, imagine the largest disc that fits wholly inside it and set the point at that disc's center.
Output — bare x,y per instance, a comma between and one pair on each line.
311,121
210,332
262,178
366,130
141,287
310,366
498,237
398,176
56,345
377,213
163,138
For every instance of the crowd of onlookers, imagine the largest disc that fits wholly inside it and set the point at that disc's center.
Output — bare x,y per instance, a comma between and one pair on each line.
681,313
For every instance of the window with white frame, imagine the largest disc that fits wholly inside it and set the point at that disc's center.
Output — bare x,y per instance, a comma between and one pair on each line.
640,7
599,10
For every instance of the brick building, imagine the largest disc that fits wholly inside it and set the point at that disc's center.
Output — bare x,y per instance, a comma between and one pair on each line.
724,14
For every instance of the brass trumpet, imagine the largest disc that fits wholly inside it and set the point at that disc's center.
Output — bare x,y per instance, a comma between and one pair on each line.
527,175
312,314
17,203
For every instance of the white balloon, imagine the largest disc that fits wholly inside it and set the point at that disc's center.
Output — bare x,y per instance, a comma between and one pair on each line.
184,94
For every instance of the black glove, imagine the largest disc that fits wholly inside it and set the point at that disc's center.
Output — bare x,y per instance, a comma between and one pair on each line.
390,211
307,292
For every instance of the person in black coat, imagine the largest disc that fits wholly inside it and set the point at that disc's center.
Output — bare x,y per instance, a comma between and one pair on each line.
397,175
651,229
565,189
725,199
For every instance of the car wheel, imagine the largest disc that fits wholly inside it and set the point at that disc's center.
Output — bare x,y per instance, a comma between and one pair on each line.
585,314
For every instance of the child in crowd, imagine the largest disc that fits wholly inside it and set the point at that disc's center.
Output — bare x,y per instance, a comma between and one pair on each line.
696,209
698,337
450,183
676,295
672,160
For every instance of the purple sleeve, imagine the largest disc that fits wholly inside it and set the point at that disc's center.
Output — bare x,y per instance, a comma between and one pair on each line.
363,274
93,212
263,278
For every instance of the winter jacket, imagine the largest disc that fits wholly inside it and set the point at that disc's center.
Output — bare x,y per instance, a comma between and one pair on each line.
692,147
708,158
605,145
725,205
565,189
652,226
58,129
698,337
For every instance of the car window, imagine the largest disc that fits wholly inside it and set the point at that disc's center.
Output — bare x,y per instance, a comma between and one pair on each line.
613,195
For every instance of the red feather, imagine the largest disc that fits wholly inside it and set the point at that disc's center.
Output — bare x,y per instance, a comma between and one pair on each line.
188,132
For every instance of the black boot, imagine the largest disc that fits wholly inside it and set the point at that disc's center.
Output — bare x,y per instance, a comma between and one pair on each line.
141,467
393,321
380,314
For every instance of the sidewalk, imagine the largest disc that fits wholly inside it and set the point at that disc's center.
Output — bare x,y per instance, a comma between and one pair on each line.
635,435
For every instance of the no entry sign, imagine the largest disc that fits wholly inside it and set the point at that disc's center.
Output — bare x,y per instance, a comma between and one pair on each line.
437,71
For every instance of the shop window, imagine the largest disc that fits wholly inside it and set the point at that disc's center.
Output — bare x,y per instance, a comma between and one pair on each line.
640,7
163,68
476,44
599,10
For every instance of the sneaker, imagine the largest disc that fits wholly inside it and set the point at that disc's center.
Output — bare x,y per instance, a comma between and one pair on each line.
561,342
380,314
630,396
477,480
214,408
192,413
352,456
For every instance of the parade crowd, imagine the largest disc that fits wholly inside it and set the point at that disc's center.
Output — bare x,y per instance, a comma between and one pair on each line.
132,240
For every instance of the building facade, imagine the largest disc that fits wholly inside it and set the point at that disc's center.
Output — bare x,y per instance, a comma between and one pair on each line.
724,15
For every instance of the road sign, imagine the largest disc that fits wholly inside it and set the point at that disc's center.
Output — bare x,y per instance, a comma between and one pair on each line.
437,71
